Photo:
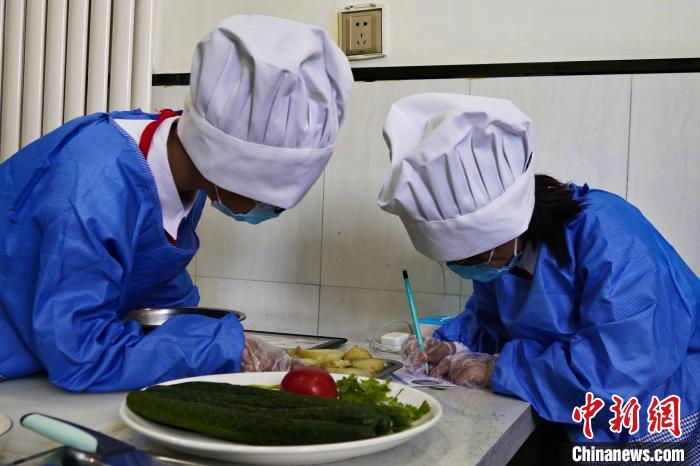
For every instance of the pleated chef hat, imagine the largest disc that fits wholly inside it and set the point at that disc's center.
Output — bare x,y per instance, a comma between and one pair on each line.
267,99
461,177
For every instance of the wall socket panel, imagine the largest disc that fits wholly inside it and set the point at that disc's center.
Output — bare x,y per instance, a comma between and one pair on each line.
361,31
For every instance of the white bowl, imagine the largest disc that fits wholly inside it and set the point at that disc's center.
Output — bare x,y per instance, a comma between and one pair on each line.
5,427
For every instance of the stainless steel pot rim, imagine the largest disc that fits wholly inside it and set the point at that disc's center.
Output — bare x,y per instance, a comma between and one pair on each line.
150,318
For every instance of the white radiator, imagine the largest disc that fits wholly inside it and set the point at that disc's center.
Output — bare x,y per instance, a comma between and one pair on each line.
66,58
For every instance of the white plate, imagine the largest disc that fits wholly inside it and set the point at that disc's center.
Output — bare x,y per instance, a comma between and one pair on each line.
192,443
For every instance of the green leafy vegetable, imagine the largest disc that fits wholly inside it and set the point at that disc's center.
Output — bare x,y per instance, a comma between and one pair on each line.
374,392
368,391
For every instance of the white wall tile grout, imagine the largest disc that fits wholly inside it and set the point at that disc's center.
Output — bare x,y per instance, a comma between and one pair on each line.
214,277
279,282
320,265
461,282
629,139
272,282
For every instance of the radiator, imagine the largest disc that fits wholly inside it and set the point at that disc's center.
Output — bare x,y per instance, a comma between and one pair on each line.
65,58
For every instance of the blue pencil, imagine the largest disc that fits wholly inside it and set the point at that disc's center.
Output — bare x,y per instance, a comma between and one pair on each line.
414,315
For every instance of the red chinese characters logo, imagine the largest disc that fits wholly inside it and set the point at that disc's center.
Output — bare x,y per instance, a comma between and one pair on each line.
661,414
587,412
665,415
625,415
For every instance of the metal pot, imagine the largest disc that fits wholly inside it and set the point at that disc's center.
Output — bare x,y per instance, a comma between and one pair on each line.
151,318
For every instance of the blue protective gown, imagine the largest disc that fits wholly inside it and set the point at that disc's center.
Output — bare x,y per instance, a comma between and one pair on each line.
81,244
623,317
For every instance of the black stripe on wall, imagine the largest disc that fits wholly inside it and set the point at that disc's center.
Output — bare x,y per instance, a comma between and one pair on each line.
170,79
497,70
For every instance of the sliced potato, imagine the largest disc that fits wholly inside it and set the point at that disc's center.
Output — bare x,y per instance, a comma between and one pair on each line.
309,361
320,354
372,365
335,364
349,371
356,352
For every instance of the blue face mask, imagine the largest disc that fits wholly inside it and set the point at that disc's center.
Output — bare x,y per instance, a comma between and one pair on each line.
257,214
484,272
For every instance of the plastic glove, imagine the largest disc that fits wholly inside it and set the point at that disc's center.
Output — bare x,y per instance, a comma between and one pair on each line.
467,369
435,351
260,356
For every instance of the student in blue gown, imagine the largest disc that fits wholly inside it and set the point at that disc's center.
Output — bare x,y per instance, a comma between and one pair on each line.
98,217
575,291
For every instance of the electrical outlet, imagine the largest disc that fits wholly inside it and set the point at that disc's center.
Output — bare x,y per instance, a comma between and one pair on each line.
361,31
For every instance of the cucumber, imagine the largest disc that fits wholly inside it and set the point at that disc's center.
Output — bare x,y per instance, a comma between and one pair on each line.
241,425
288,399
355,414
253,395
387,419
400,419
384,425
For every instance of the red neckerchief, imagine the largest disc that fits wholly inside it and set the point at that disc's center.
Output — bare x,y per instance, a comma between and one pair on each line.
150,131
147,139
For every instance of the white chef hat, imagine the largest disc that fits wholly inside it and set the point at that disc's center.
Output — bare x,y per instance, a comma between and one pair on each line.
461,176
267,98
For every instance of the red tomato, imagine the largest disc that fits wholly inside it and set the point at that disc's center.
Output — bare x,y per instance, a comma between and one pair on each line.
311,381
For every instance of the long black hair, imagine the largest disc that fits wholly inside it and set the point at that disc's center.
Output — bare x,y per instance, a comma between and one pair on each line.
555,206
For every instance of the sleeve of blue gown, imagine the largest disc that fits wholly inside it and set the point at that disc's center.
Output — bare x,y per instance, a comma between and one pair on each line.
478,326
79,336
634,334
178,292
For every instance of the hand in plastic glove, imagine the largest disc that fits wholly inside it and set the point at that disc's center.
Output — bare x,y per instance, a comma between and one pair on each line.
435,351
260,356
467,369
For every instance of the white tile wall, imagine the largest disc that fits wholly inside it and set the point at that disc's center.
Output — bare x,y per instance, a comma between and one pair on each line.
287,249
357,313
192,269
269,306
581,124
467,289
363,246
172,97
333,264
665,158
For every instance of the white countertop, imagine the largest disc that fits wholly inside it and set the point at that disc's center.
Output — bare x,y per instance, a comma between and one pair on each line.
478,427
